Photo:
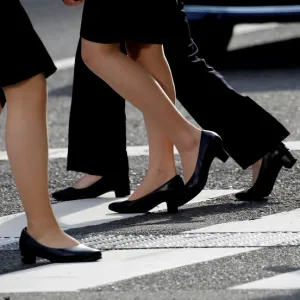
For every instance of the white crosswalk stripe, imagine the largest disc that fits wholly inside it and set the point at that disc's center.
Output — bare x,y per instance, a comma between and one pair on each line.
248,28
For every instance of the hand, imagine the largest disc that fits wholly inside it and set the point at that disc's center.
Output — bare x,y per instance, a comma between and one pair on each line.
72,2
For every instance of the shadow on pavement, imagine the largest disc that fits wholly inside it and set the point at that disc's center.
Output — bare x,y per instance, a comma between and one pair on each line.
11,262
194,216
282,269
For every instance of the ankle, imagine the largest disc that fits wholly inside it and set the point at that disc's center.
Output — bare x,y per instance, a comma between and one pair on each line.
190,143
255,170
53,237
38,230
162,173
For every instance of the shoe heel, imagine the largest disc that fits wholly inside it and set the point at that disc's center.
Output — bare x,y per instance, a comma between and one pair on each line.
222,154
28,259
172,207
288,161
122,192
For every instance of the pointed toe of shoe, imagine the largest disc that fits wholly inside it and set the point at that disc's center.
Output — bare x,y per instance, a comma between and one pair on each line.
67,194
118,207
129,207
80,253
83,253
56,195
241,195
61,195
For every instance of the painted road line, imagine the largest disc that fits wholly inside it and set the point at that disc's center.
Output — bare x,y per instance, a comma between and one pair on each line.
293,145
281,222
131,150
63,152
65,64
249,28
115,266
286,281
87,212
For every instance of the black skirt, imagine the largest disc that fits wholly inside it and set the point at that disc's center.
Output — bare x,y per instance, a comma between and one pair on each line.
117,21
22,53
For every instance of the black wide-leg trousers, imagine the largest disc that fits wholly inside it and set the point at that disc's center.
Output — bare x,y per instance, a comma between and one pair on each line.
97,127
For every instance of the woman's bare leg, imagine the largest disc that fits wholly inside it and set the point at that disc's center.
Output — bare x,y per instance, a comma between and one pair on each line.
255,170
27,148
161,149
135,84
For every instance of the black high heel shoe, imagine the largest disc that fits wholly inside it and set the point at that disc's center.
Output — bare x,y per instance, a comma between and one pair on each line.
271,165
30,249
100,187
211,146
169,192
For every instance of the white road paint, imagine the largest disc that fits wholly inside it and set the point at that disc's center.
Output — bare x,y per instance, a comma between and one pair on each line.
244,10
115,266
286,281
65,64
131,150
63,152
248,28
87,212
286,221
293,145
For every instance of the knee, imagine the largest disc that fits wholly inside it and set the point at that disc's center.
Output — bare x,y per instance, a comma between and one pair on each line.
88,52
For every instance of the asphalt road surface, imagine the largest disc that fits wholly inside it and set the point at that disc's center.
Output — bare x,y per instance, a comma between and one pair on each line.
216,247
